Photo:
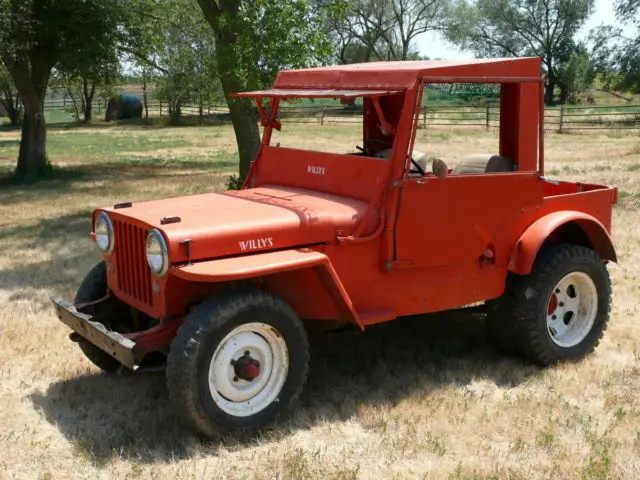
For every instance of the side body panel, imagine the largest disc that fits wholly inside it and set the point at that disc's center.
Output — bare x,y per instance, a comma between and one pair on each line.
454,220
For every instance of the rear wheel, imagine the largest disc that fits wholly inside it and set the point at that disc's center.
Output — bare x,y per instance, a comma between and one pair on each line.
109,313
560,311
238,362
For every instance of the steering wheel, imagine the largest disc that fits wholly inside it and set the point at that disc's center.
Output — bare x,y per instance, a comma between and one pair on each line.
369,141
385,143
419,168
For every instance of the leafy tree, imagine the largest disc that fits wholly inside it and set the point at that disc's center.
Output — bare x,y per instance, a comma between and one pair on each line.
373,30
616,57
187,58
36,36
411,18
519,28
83,82
576,74
253,40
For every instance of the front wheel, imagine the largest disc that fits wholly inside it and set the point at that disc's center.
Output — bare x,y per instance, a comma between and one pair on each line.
237,362
562,308
111,313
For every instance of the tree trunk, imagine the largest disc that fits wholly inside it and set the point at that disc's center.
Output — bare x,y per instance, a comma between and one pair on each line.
32,159
75,104
565,94
11,104
241,110
548,93
144,94
87,104
246,129
31,79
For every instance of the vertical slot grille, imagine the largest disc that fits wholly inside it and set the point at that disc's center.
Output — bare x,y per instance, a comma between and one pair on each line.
134,277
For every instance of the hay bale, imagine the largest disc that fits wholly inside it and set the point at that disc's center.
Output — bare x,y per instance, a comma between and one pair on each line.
123,107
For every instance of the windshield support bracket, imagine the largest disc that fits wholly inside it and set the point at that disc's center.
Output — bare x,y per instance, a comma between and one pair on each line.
386,127
268,120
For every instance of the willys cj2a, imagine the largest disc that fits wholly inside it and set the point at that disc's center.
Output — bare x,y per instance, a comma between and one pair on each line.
222,285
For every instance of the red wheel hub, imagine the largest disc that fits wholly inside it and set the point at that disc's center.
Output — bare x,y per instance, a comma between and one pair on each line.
251,370
246,367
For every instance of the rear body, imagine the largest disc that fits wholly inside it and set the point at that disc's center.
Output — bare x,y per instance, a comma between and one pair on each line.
367,236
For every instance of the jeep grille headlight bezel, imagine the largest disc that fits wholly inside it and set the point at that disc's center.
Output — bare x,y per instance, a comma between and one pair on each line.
104,232
157,253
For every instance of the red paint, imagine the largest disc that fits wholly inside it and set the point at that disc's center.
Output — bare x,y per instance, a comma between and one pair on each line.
355,238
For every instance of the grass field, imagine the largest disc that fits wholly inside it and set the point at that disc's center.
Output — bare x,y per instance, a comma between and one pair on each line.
415,398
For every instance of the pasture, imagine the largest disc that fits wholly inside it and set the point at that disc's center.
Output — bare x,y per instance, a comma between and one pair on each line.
416,398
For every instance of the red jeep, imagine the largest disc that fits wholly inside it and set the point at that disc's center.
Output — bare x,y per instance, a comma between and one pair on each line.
219,284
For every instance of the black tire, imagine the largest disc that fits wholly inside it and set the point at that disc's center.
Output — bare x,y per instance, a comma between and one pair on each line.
193,348
92,288
528,298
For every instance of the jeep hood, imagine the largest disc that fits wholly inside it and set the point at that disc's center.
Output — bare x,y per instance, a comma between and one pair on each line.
245,221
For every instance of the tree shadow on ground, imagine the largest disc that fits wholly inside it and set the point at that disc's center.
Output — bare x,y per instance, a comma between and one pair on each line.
154,123
9,143
83,178
130,415
67,263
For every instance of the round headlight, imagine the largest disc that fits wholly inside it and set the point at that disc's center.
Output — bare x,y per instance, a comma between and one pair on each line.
103,229
157,255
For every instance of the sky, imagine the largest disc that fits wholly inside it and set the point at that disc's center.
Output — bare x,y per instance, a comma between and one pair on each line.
433,45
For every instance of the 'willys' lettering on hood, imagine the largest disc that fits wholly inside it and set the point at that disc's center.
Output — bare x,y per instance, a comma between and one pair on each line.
256,244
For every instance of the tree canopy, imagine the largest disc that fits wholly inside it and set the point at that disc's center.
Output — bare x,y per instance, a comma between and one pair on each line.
35,36
370,30
615,55
518,28
254,39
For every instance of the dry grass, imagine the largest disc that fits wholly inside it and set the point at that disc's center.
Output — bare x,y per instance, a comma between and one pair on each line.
416,398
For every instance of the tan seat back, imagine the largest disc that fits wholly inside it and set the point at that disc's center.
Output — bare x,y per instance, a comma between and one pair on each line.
483,163
419,157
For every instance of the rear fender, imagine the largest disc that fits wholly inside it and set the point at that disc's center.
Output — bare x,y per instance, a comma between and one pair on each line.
272,264
566,226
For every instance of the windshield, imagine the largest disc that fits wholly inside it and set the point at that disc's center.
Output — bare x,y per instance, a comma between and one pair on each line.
355,125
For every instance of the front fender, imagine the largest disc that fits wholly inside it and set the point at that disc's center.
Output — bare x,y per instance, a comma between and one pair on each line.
270,263
529,244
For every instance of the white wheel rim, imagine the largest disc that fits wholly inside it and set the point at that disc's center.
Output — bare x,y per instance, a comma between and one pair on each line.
572,309
242,397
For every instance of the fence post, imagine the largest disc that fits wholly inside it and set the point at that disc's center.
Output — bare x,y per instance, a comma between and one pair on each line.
424,118
160,107
561,117
322,116
487,123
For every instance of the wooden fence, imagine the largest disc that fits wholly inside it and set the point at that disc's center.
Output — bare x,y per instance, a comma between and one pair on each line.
560,119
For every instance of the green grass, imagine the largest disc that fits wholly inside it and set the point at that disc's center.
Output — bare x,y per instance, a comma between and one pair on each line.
81,151
90,144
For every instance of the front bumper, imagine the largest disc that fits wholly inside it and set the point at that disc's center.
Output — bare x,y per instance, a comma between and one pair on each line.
119,347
